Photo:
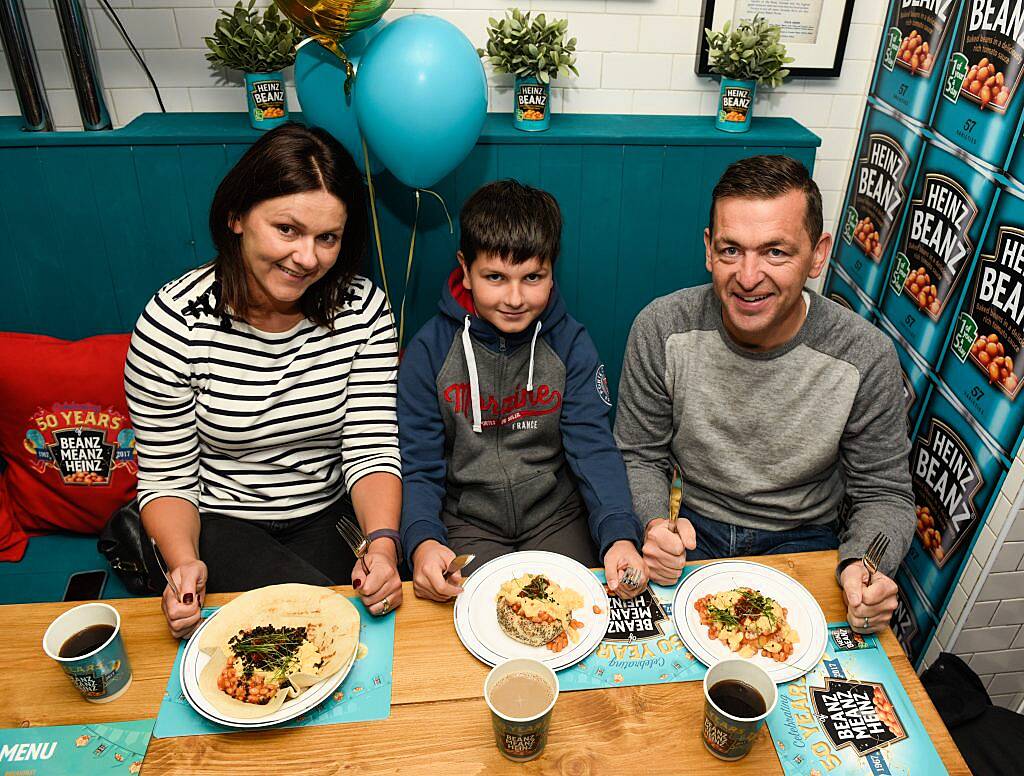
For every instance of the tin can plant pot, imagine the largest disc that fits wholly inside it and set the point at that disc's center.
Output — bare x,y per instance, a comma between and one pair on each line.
746,55
260,45
735,105
534,51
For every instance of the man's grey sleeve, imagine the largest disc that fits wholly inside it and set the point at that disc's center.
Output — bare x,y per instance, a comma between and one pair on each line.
643,420
874,451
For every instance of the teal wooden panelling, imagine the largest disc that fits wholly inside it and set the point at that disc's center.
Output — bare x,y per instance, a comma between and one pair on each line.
96,222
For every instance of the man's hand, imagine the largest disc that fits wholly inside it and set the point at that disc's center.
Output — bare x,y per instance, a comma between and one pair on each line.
429,562
875,604
665,550
621,556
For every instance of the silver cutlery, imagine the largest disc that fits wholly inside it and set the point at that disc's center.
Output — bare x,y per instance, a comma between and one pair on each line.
876,551
163,569
458,562
354,538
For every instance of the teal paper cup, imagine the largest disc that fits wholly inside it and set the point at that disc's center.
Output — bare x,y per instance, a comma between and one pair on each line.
103,673
521,738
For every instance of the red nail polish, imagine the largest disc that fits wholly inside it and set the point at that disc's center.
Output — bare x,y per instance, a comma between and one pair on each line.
187,600
357,583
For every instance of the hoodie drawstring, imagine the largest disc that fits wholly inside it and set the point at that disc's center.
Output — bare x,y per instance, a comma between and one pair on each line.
533,346
474,378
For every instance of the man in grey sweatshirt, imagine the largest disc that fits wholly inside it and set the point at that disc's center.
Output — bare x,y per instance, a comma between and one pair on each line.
773,401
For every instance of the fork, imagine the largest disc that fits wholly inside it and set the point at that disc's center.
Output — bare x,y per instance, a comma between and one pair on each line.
354,538
875,553
163,569
673,517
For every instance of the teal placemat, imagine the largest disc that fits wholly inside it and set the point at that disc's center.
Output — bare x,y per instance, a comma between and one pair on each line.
640,647
111,748
850,715
364,695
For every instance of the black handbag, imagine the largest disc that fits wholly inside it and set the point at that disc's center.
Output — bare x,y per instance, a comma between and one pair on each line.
126,546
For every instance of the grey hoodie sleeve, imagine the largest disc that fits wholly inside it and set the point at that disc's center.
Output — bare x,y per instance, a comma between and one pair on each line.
874,451
644,418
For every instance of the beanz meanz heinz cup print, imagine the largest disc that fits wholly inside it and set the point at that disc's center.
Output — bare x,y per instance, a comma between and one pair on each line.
935,248
980,106
911,60
984,364
876,196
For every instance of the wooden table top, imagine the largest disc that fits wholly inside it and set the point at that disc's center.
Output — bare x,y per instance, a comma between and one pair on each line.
438,717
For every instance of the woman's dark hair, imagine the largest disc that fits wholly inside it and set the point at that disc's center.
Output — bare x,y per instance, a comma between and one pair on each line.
767,177
290,159
510,220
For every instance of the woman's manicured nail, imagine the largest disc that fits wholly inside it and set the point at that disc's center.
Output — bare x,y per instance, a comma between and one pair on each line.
357,583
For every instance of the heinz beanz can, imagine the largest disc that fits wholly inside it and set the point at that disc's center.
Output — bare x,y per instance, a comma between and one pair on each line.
913,53
841,290
981,98
956,474
882,176
983,365
935,248
913,374
913,622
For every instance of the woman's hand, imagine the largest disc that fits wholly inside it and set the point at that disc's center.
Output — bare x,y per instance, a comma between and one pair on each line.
381,589
429,561
183,617
619,557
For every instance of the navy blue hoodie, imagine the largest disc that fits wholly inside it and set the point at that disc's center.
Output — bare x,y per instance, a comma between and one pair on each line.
507,431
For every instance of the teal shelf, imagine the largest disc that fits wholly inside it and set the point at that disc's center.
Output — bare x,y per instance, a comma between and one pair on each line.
567,129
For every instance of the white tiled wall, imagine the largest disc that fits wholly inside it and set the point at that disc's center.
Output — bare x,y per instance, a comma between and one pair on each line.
636,56
984,622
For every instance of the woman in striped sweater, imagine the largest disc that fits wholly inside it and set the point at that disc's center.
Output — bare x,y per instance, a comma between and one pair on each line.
262,390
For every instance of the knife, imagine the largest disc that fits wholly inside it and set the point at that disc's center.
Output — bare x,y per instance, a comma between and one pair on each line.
457,563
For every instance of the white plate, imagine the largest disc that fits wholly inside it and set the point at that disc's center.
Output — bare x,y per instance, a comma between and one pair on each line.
476,618
803,613
194,660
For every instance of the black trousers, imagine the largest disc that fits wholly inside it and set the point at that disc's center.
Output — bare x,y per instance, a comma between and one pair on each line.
245,554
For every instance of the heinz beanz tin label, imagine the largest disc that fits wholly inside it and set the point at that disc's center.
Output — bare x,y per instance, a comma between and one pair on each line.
980,106
983,366
882,177
955,475
913,621
913,375
841,290
935,248
914,49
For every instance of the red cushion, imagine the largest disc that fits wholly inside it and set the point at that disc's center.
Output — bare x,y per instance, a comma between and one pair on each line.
65,433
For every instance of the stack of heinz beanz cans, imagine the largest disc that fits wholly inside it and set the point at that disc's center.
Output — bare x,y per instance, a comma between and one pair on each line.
930,248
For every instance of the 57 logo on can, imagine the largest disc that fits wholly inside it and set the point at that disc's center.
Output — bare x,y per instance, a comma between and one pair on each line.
900,271
963,337
955,76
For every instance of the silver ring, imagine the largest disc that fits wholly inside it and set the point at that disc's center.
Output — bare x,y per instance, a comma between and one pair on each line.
386,606
867,623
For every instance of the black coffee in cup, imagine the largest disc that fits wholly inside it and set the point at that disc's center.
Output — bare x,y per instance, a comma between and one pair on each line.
737,699
85,641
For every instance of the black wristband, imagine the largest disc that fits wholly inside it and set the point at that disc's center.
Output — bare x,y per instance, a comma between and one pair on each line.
387,533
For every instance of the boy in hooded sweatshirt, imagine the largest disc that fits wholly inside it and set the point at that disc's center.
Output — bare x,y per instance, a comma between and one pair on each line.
503,411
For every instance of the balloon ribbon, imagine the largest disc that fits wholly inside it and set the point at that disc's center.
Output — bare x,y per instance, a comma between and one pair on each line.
412,249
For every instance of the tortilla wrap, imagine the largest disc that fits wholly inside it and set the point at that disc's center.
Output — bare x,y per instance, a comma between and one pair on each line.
332,626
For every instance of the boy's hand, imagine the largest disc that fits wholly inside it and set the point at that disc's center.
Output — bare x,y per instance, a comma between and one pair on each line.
665,549
430,560
621,556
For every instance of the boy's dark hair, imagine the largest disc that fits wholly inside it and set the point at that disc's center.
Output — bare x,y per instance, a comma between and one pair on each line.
767,177
510,220
290,159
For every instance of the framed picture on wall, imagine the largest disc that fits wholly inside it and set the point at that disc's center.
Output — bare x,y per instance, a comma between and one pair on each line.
814,31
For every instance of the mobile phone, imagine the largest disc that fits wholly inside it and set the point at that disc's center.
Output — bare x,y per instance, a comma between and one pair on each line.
85,585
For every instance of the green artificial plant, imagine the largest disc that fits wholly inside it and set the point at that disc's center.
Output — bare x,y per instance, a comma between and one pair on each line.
244,40
530,47
750,51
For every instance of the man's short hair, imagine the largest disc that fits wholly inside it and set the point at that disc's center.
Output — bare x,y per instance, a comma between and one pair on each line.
767,177
510,220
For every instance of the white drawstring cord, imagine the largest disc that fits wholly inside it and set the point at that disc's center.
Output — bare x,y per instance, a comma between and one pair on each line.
533,345
474,379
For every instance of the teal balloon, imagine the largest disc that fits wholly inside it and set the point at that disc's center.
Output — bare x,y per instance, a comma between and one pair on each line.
320,84
421,98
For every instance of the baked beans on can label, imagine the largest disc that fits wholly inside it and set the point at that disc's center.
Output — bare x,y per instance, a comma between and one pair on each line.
913,374
913,622
956,475
935,248
983,365
981,98
914,48
882,176
841,290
